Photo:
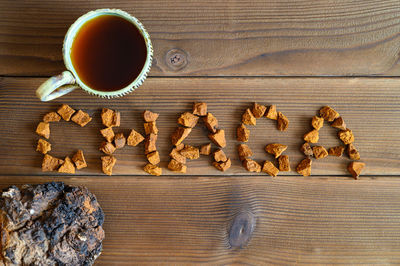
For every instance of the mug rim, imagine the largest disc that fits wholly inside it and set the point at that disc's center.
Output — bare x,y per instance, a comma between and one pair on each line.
70,37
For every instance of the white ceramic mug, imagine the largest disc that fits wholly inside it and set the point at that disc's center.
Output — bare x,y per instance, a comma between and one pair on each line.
69,80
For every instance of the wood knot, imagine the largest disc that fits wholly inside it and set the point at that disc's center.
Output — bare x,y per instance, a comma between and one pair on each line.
241,229
176,59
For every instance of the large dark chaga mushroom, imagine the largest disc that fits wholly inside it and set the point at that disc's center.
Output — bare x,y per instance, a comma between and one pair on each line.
50,224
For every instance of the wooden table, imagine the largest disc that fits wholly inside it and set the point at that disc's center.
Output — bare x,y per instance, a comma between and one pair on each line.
299,55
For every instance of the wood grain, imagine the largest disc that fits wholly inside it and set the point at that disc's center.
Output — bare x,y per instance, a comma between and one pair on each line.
370,107
220,37
298,220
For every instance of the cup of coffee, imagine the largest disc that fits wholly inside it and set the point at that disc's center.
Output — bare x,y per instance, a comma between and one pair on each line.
107,52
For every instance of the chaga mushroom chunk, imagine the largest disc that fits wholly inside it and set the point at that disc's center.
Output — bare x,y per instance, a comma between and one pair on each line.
188,120
53,223
149,116
51,117
205,149
283,122
336,151
65,111
272,113
110,118
312,136
242,133
81,118
218,138
328,113
258,110
244,151
248,118
200,109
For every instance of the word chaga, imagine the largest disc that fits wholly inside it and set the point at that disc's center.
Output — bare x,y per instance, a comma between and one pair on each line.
250,117
181,152
50,163
346,135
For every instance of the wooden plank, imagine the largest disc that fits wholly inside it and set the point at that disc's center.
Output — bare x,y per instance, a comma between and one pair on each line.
298,220
220,37
369,106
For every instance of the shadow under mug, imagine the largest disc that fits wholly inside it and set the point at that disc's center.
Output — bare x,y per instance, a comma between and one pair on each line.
69,80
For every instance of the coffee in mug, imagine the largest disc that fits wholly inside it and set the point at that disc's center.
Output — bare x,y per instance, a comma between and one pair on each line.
107,52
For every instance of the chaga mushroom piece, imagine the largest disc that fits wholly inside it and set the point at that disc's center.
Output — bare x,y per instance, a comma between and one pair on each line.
251,165
312,136
79,160
107,147
339,123
283,122
269,168
336,151
276,149
107,164
242,133
43,129
317,122
152,169
110,118
108,133
328,113
188,120
179,135
346,136
81,118
200,109
43,146
218,138
223,166
67,167
150,143
319,152
119,140
284,163
219,156
153,157
352,152
244,151
134,138
248,118
174,154
176,166
304,167
65,111
51,163
190,152
211,122
355,168
258,110
51,117
205,149
150,128
149,116
306,149
50,224
272,113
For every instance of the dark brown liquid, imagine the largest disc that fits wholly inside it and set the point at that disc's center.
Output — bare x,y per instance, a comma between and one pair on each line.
108,53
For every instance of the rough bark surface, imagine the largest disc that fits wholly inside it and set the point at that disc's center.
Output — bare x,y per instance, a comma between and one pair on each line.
50,224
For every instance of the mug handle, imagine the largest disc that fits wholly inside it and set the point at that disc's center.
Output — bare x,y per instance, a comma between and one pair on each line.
56,86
